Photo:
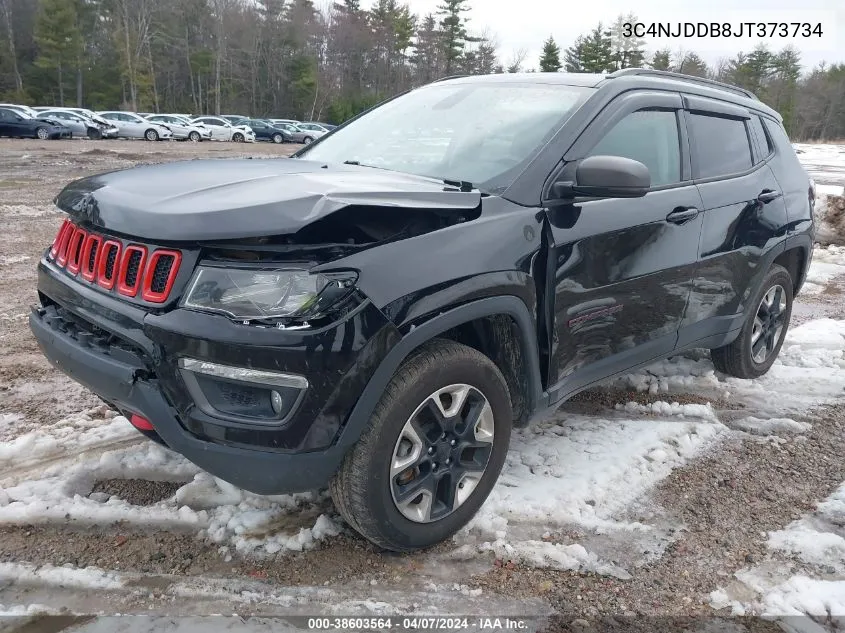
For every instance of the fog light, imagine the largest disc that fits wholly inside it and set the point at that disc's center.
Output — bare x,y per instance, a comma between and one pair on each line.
277,402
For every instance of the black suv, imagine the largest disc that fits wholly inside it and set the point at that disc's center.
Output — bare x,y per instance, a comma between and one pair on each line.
376,313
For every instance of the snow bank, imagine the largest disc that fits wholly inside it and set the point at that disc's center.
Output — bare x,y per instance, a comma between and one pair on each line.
78,578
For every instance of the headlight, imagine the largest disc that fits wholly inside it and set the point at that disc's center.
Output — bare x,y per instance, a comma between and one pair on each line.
246,294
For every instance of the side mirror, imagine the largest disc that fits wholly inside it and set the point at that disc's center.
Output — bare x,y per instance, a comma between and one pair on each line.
606,177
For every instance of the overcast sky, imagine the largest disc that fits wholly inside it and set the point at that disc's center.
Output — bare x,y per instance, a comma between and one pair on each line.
526,23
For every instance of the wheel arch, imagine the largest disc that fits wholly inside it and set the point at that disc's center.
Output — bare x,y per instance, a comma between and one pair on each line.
501,327
796,258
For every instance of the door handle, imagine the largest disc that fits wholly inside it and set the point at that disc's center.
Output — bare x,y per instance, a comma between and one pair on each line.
680,215
767,196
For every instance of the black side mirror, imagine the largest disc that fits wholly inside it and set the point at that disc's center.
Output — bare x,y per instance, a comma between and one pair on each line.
606,177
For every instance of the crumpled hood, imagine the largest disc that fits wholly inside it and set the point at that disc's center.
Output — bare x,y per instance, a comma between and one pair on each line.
226,199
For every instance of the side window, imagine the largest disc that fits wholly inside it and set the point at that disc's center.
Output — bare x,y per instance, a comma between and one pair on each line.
764,143
651,137
720,145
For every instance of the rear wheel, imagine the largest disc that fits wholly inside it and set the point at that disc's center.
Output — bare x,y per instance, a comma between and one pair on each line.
194,137
237,137
432,451
151,135
42,133
759,342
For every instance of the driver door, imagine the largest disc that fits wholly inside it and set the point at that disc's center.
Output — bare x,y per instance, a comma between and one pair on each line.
620,269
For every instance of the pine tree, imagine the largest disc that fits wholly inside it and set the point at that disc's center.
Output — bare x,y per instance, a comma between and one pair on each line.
454,33
58,39
550,60
426,57
597,52
662,60
691,64
573,61
783,89
628,52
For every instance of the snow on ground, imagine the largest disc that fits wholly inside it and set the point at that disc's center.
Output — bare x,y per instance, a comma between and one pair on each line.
818,590
827,263
824,162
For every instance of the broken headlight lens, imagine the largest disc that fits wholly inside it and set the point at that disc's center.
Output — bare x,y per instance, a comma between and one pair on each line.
247,294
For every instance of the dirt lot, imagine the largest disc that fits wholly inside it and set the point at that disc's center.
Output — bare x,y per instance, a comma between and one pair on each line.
657,536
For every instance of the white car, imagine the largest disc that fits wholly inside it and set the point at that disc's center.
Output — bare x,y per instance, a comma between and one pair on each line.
132,125
222,130
22,109
181,128
80,126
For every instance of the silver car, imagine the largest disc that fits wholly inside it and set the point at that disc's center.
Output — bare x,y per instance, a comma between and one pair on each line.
132,125
182,129
80,126
308,132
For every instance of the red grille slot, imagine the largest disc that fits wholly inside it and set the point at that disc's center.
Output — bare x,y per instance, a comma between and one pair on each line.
160,274
131,270
66,226
109,260
61,258
90,257
74,250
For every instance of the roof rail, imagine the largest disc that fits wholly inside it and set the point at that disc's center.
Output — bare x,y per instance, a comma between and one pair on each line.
681,77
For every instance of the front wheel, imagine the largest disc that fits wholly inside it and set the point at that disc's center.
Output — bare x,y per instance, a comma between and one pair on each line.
759,342
238,137
277,139
308,140
432,450
194,137
94,134
42,133
151,135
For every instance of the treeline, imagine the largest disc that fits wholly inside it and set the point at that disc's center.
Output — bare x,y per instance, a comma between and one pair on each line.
292,58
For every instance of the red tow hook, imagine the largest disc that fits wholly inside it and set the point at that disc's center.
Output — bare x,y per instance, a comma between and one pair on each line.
141,423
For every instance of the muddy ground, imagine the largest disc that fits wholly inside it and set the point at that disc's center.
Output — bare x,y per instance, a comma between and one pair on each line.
722,503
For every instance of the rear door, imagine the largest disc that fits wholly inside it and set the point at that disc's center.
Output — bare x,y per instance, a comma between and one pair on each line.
620,270
5,122
744,216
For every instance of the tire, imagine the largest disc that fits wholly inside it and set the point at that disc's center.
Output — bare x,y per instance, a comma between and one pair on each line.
307,140
237,137
194,137
151,135
368,494
42,133
759,342
278,139
94,134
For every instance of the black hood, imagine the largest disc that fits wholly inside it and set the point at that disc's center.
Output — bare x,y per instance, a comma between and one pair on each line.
225,199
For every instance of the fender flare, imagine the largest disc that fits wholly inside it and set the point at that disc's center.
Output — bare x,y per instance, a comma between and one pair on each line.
505,304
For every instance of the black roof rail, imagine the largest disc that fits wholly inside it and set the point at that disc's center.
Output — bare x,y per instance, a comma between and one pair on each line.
681,77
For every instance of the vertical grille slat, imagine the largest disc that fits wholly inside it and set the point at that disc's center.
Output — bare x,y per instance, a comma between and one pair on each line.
132,270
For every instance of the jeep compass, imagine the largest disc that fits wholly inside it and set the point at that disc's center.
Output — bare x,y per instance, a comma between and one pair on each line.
376,313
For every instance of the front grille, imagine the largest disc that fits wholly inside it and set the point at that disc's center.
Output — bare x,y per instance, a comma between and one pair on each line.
111,265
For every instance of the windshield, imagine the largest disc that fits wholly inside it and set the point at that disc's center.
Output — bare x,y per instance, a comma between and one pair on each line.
483,133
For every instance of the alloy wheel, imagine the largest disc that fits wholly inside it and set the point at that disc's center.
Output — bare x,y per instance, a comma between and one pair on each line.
768,324
42,134
441,453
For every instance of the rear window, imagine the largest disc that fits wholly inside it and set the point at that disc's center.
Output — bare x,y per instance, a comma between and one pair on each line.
720,145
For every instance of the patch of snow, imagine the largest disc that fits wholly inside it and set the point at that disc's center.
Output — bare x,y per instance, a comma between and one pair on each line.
662,408
802,596
7,260
818,538
80,578
770,426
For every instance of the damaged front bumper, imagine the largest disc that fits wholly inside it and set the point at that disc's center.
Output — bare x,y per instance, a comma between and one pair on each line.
174,369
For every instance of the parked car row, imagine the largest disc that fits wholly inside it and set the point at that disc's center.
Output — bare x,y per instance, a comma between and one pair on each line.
60,122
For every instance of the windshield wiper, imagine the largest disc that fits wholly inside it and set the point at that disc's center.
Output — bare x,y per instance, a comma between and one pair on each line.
463,185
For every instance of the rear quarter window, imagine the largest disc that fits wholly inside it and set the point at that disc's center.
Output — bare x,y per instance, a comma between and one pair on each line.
720,145
764,143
